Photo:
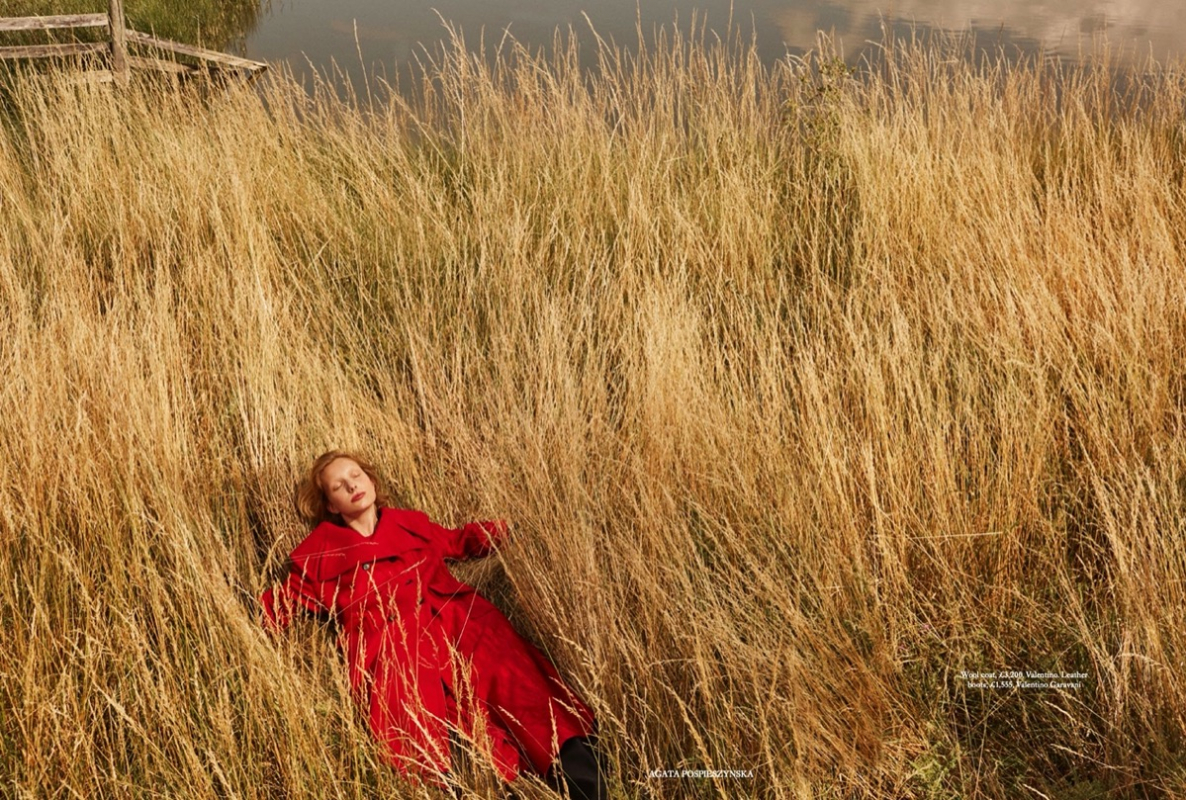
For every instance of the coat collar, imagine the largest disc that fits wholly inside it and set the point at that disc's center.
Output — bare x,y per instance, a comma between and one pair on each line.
331,549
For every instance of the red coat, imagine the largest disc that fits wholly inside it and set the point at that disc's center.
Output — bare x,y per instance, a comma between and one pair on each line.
400,612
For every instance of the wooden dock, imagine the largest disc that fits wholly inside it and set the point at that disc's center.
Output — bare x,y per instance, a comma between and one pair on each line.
124,49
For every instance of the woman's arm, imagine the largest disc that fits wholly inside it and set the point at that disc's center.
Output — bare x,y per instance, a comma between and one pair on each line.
472,540
282,601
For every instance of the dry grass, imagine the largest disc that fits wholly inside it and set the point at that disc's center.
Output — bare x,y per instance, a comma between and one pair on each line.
805,392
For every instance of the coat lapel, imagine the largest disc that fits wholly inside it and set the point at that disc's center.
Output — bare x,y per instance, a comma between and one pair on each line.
331,550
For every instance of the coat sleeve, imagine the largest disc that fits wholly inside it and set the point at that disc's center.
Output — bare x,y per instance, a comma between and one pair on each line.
472,540
283,601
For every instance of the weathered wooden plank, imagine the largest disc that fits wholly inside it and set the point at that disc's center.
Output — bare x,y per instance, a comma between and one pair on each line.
161,65
119,44
76,78
85,76
221,59
52,50
107,76
52,22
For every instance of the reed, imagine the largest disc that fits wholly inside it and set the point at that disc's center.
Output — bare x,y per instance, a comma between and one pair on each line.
807,390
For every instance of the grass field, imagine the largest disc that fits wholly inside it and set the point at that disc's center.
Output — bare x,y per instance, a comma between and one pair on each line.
807,391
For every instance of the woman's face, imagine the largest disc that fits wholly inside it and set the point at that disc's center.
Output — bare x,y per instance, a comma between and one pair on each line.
348,490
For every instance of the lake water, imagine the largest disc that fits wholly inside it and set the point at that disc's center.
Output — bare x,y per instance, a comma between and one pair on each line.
384,35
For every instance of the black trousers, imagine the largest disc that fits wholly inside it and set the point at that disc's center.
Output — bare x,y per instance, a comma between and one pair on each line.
580,770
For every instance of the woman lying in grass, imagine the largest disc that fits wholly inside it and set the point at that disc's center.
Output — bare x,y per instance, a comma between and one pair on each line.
428,656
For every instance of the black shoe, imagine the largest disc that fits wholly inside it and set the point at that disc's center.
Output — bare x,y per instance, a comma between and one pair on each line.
580,770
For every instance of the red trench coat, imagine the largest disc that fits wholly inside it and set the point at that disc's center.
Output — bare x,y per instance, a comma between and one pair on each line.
401,616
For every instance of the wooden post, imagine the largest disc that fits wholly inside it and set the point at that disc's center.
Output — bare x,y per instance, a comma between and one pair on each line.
119,43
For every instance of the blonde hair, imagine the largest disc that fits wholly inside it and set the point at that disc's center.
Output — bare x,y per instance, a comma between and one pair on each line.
310,495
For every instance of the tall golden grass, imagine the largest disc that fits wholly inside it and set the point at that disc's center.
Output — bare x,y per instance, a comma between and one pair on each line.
806,389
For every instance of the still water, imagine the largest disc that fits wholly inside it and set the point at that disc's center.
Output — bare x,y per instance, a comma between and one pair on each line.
384,36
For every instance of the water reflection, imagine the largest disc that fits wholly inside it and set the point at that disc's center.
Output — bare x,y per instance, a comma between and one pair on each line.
1059,26
386,35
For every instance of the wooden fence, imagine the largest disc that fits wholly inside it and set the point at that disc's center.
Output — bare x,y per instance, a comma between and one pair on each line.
120,38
